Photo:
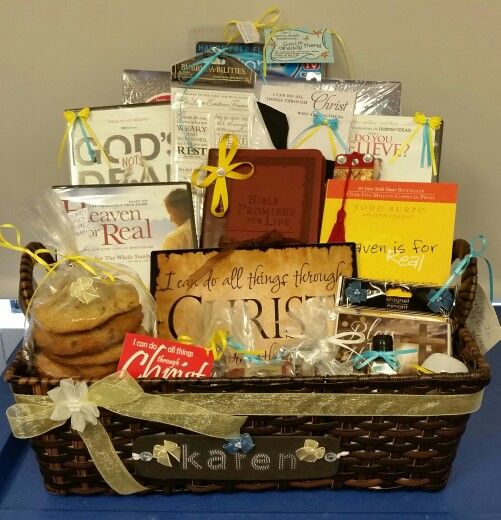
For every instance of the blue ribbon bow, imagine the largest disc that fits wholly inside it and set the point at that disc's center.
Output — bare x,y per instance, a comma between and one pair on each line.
355,293
332,123
206,62
320,119
442,303
463,264
426,146
389,357
243,443
238,347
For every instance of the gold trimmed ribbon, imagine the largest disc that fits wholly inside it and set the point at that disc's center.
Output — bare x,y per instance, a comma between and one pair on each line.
121,394
339,405
218,174
71,119
163,452
429,125
200,413
267,20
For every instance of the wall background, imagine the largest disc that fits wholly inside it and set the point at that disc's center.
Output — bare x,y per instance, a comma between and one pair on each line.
56,54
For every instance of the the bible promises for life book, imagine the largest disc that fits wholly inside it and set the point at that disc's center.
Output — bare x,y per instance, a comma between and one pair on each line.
284,194
403,230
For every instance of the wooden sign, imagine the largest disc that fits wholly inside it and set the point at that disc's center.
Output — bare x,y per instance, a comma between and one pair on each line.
205,458
271,281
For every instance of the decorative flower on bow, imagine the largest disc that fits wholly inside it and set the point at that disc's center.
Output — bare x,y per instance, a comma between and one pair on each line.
310,452
429,126
83,289
390,358
218,174
355,293
444,301
243,443
163,453
319,121
80,119
71,401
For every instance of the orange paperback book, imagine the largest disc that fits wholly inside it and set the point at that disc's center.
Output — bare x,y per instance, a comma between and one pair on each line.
403,230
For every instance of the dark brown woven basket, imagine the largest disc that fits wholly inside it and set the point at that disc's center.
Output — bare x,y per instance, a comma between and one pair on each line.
384,452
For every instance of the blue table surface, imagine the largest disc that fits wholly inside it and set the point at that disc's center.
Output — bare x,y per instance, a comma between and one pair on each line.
472,492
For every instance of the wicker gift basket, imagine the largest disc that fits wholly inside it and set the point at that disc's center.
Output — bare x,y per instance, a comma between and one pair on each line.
382,451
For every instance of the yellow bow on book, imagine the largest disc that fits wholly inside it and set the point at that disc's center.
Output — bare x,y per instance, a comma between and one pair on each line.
80,118
268,20
218,174
429,126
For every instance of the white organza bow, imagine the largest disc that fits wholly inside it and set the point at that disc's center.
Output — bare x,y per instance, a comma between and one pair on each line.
71,400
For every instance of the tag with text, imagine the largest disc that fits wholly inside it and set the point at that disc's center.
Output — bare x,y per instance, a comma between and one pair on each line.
299,46
248,32
144,356
483,322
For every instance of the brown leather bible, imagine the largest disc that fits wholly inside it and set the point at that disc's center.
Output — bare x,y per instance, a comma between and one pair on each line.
284,195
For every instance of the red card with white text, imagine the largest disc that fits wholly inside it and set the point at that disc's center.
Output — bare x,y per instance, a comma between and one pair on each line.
152,358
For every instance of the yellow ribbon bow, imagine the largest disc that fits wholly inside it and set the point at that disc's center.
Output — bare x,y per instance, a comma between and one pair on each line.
310,452
218,174
220,341
18,247
83,289
71,118
34,415
268,20
429,126
163,452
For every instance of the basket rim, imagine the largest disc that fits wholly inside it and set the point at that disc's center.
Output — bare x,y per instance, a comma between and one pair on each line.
480,376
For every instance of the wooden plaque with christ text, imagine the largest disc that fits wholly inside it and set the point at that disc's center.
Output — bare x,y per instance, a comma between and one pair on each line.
271,281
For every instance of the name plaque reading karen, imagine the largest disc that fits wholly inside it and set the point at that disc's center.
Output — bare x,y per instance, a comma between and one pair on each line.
205,458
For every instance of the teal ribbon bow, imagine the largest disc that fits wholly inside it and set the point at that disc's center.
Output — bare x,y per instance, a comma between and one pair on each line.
368,356
320,120
206,62
426,146
332,123
238,347
90,150
463,264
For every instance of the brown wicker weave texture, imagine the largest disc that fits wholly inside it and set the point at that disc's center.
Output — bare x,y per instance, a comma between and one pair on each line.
384,452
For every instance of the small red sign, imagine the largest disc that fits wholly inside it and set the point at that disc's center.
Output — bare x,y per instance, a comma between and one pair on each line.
152,358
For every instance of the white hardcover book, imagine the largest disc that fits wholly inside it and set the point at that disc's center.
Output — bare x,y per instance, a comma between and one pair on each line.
301,104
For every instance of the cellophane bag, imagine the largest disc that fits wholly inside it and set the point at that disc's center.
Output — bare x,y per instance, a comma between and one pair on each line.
82,307
313,348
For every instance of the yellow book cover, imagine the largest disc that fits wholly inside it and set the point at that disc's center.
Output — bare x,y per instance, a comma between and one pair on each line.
403,230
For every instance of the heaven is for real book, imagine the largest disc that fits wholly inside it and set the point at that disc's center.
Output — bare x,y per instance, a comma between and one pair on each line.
403,230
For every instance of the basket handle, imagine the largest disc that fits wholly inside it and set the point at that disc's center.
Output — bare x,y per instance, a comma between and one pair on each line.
468,286
27,284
